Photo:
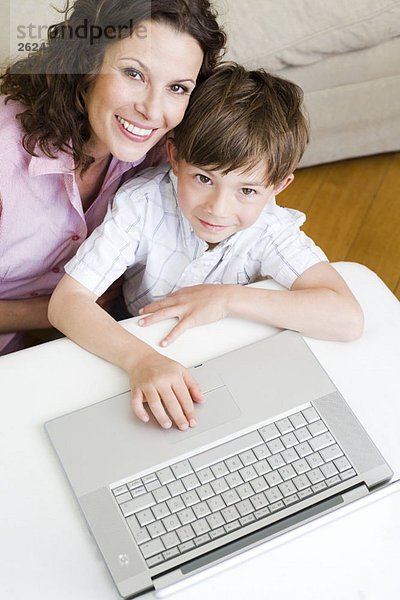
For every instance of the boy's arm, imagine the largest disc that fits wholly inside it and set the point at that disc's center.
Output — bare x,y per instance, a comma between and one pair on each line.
319,304
155,379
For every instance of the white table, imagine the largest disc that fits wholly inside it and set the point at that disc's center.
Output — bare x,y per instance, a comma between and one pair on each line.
46,551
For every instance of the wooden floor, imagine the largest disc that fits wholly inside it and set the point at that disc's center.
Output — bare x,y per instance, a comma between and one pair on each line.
353,211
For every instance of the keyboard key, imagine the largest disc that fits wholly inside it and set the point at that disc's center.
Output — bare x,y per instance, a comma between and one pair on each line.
138,491
190,498
151,548
220,469
215,520
276,506
181,469
219,486
185,534
165,476
248,473
170,540
273,494
216,503
248,457
245,490
297,420
269,432
321,441
171,522
203,539
233,479
230,497
310,414
287,488
190,482
261,451
291,500
201,510
304,493
262,467
263,512
333,480
120,490
155,560
156,529
186,546
289,455
289,440
273,478
245,520
153,485
234,463
141,535
275,446
317,427
301,482
348,474
303,449
175,504
284,426
318,487
133,506
168,554
145,517
287,472
186,516
200,527
230,513
276,461
302,434
315,460
301,466
342,464
216,533
135,484
259,501
176,487
205,491
205,475
245,507
329,469
123,497
148,478
331,453
232,526
161,494
259,484
315,476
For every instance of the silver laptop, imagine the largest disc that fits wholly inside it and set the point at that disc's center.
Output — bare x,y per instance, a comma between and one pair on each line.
276,446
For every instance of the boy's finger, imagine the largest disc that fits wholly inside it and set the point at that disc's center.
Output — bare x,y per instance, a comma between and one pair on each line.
157,408
193,387
137,405
161,315
173,404
179,328
183,394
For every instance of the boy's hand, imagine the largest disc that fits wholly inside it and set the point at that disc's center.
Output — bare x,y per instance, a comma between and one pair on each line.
167,387
196,305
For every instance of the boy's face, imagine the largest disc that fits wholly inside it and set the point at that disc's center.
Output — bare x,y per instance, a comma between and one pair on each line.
217,205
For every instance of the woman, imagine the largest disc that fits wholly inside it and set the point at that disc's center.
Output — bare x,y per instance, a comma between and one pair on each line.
76,119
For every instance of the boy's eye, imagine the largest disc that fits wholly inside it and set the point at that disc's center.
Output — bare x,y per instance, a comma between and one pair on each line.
203,179
248,191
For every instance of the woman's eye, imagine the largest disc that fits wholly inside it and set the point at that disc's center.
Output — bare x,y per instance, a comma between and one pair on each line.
178,89
133,74
248,191
203,179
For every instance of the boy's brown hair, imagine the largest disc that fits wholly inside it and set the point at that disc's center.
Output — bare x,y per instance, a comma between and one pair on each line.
237,119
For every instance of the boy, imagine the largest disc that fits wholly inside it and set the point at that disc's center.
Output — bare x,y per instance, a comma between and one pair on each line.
211,219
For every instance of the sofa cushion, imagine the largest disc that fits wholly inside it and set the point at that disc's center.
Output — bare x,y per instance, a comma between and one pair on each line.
280,33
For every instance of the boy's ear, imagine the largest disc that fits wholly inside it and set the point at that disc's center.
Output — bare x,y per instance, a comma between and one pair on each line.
172,154
283,184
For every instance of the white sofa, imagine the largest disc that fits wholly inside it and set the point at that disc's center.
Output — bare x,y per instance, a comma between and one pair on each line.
344,53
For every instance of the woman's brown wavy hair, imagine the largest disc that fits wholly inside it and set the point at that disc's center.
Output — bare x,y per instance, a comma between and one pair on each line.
53,83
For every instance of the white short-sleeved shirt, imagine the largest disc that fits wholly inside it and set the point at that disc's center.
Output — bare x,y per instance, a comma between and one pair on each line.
145,236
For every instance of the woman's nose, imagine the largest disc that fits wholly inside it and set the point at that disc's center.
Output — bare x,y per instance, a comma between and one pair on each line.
149,105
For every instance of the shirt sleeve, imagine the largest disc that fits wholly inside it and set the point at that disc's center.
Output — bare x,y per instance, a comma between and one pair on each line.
288,251
111,248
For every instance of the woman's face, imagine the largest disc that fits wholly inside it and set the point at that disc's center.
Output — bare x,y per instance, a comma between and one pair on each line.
142,90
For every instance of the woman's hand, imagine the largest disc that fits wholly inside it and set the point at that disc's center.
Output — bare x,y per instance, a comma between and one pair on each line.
168,388
193,306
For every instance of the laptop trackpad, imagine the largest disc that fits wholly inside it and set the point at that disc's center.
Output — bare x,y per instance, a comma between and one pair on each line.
218,408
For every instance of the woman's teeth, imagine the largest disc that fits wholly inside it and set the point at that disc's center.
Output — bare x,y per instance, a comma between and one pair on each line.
135,130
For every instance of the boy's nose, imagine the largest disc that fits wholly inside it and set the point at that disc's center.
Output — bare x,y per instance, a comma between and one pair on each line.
217,204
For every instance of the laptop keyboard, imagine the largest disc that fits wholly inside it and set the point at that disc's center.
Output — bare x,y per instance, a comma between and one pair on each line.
195,501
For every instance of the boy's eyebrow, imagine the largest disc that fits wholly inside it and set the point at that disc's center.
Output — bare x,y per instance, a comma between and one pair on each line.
145,68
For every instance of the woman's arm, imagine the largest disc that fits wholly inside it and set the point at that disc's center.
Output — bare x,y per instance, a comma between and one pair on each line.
319,304
24,315
155,379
